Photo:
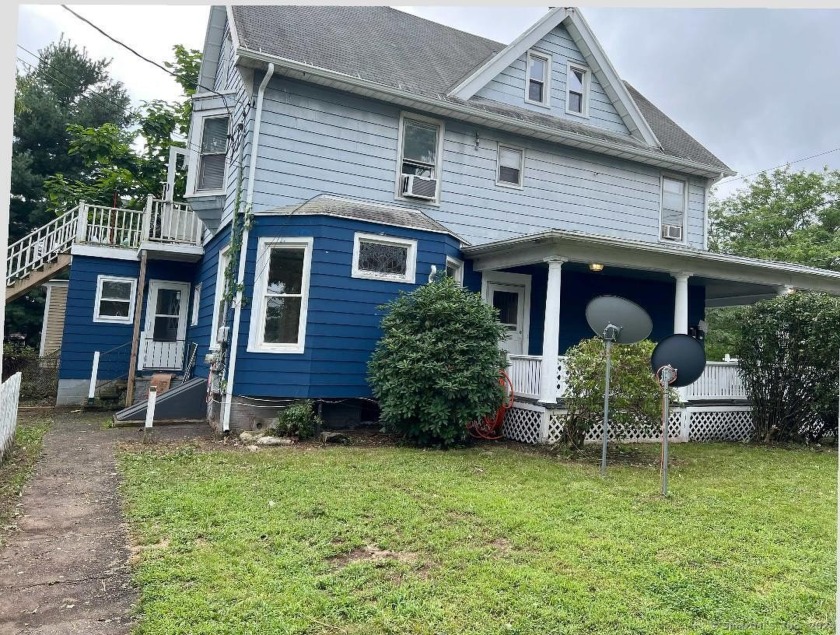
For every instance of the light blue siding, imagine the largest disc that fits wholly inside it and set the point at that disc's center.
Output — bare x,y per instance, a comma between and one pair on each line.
315,140
509,86
343,315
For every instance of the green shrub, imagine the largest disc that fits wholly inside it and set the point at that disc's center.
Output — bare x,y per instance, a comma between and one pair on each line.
436,367
788,354
635,395
298,420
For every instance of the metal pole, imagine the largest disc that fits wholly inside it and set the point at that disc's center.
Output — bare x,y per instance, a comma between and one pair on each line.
665,381
606,411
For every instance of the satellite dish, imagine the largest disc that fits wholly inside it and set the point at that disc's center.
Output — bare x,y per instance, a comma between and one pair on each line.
615,320
682,352
630,322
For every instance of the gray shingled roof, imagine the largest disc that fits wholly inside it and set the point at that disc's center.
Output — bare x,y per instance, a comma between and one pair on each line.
329,205
380,44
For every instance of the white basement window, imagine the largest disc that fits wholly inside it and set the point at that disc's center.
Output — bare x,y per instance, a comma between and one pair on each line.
114,299
577,90
510,164
384,258
420,155
537,88
281,295
213,156
674,197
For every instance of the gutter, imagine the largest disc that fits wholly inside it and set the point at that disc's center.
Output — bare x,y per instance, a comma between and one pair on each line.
372,89
243,250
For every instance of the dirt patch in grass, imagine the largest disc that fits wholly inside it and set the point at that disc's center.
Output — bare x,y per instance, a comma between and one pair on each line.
18,464
372,553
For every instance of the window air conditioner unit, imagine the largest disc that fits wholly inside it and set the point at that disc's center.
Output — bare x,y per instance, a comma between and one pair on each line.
419,187
672,232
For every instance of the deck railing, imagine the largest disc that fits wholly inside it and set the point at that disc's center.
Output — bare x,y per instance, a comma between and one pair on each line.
171,223
110,226
719,382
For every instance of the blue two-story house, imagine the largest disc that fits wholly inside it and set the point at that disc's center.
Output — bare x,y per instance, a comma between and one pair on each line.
340,155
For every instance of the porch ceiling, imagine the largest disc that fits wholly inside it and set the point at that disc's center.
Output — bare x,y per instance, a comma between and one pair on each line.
729,280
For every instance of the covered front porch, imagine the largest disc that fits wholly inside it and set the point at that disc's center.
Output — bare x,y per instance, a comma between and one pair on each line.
541,285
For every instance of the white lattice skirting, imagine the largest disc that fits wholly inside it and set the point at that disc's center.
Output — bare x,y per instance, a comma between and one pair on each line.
531,423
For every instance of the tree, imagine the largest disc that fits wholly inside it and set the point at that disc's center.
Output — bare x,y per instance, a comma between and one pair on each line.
65,88
787,349
784,215
437,365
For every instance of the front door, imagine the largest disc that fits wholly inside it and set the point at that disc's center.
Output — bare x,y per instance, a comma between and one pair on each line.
510,296
166,325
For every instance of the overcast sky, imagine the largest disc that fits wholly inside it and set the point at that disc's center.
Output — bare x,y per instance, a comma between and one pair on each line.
758,87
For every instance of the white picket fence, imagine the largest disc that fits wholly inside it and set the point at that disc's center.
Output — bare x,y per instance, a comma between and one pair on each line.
9,394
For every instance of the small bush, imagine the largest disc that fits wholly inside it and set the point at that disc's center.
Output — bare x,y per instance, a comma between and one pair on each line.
635,395
298,420
436,367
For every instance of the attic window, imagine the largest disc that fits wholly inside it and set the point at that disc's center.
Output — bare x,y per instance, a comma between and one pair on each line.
211,168
577,90
537,90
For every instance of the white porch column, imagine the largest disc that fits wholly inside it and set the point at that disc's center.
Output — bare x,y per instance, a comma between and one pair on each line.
681,303
551,333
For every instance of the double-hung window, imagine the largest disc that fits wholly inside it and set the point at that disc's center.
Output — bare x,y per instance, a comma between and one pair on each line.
420,158
114,299
212,154
281,295
577,90
510,163
384,258
674,197
539,74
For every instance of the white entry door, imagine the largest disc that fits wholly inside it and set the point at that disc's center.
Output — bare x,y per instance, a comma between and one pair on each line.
510,294
166,325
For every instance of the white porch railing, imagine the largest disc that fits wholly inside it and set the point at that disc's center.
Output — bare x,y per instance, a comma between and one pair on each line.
720,380
9,396
525,373
171,222
110,226
41,246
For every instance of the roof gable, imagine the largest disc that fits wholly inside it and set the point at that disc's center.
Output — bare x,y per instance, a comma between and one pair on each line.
510,85
593,55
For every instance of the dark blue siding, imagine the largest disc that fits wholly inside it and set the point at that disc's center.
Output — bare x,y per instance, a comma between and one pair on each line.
343,315
205,274
82,336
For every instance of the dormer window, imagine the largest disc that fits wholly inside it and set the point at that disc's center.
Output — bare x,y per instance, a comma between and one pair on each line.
539,73
577,90
211,168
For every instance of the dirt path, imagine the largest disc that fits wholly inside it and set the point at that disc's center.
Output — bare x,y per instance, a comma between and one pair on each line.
64,569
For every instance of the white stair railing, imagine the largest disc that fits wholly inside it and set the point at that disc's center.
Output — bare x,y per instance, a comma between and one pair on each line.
41,246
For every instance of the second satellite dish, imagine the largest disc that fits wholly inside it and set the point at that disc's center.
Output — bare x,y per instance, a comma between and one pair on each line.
683,353
631,320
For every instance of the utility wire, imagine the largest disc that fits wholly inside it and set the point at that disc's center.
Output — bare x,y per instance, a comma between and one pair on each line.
741,178
143,57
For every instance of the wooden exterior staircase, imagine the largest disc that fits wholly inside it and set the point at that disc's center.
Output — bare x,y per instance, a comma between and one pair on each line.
170,228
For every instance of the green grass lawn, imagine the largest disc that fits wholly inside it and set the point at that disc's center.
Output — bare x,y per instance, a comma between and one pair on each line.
485,540
17,464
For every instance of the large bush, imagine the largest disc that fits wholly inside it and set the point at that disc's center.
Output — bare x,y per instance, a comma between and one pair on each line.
436,367
788,351
635,395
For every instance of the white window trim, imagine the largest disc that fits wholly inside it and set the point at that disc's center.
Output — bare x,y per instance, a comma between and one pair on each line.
109,319
256,334
546,85
438,163
410,263
217,296
196,131
587,74
685,181
458,265
196,304
515,186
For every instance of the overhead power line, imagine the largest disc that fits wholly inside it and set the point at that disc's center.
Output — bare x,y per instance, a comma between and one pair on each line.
741,178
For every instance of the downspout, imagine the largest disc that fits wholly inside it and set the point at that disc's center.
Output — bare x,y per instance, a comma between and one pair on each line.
243,251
